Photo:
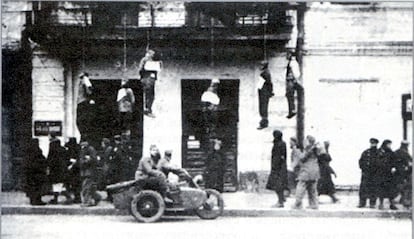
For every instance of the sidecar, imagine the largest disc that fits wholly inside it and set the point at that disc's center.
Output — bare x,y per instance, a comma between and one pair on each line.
147,205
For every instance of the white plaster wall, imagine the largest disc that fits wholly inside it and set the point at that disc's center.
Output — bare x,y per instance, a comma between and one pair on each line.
254,146
327,23
348,114
48,93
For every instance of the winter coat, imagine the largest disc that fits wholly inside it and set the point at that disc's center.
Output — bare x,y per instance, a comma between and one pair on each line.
367,188
385,179
278,173
308,165
325,184
88,161
403,160
147,167
58,161
214,172
35,166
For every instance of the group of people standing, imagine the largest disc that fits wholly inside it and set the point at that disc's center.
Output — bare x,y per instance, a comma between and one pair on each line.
386,174
311,168
76,171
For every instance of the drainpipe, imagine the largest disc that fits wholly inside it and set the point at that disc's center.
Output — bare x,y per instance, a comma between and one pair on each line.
299,55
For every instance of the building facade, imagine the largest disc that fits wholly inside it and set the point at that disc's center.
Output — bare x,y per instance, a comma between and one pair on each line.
198,42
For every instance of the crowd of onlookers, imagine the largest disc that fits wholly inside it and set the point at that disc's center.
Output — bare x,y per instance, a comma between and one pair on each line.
386,174
311,169
77,171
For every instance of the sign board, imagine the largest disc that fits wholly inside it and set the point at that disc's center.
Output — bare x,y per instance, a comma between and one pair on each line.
45,128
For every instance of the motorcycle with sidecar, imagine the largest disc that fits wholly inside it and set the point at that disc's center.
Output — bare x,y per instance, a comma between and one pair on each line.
147,205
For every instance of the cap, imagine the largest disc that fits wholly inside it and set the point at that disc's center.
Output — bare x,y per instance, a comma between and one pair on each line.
117,137
84,143
168,152
373,141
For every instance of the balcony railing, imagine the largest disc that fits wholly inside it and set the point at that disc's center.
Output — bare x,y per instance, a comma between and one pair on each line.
164,20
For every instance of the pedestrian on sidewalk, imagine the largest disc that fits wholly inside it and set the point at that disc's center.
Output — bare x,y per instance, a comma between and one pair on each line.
58,162
88,162
35,166
215,167
104,162
295,156
367,188
308,175
74,179
385,175
404,164
277,180
265,91
325,183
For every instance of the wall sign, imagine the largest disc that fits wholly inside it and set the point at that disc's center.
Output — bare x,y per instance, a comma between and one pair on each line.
45,128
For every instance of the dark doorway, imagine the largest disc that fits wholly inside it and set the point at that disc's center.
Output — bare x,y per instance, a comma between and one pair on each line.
106,113
16,120
194,154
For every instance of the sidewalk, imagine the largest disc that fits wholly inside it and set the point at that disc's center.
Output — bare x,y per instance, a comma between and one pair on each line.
238,204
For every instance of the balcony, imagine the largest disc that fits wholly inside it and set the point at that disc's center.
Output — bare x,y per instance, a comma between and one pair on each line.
165,21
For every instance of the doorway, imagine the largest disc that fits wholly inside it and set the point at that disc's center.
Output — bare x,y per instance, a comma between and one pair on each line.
106,115
194,154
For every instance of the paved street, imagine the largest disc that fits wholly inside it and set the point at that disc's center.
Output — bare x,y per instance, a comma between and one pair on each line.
62,226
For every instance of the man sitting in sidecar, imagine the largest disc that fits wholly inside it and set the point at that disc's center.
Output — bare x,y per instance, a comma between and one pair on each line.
149,176
150,194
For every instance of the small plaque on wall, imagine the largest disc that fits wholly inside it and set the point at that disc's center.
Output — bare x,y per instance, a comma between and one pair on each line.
44,128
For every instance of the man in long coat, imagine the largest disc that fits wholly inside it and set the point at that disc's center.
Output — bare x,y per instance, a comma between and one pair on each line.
308,175
404,164
367,188
385,175
277,180
215,167
88,163
35,173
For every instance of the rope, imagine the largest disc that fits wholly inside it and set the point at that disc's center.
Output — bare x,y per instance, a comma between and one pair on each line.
125,44
264,41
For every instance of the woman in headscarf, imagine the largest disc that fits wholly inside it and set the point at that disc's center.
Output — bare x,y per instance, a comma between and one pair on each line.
325,183
58,161
277,180
35,173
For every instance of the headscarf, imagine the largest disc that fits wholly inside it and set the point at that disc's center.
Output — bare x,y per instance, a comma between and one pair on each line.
277,135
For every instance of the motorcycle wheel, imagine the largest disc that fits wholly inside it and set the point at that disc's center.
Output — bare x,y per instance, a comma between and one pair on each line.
213,207
147,206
